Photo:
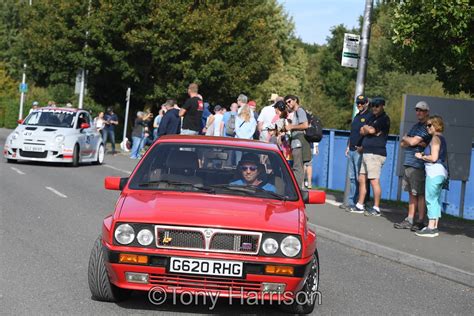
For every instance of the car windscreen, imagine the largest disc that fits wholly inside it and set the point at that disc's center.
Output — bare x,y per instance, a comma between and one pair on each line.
215,170
55,118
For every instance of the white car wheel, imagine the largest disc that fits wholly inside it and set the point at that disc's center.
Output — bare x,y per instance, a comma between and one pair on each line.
100,155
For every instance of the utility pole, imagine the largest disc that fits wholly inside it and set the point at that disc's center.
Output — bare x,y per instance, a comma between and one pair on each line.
361,73
123,145
22,95
83,71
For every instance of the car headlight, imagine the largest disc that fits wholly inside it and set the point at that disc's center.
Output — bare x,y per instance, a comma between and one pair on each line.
290,246
15,135
270,246
59,138
124,234
145,237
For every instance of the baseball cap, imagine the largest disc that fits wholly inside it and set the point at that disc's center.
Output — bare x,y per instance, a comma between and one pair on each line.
377,101
35,103
273,97
422,105
361,99
280,105
249,157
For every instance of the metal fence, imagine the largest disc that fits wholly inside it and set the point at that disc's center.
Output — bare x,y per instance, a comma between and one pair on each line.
329,171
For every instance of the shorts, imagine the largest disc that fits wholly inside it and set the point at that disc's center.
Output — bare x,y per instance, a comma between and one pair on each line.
414,181
308,163
372,165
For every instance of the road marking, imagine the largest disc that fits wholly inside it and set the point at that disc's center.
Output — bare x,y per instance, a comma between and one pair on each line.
17,170
118,169
56,192
332,202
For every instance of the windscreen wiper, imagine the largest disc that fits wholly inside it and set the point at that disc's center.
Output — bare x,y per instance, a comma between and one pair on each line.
177,183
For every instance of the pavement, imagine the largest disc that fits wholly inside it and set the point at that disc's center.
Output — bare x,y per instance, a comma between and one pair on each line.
450,255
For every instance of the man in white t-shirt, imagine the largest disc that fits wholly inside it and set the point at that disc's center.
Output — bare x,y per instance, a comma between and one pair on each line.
265,118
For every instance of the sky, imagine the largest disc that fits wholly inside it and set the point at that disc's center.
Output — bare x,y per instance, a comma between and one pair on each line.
314,18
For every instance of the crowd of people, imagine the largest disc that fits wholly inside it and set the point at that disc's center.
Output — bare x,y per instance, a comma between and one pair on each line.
425,164
281,122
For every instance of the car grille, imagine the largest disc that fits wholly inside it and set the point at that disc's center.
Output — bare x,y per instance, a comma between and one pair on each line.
207,239
33,154
235,287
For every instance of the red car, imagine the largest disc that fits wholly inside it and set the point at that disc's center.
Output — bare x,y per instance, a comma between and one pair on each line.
213,215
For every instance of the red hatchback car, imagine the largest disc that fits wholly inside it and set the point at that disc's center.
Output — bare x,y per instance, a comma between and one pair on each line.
212,215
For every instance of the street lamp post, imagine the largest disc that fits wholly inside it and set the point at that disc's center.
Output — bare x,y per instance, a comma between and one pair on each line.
361,74
22,95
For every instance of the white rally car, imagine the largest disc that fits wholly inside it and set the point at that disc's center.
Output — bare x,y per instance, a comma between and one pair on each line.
55,135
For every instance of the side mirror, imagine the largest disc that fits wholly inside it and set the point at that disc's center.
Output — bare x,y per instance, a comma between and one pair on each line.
115,183
314,197
20,121
85,125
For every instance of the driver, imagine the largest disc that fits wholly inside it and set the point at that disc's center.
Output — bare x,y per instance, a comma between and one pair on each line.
250,170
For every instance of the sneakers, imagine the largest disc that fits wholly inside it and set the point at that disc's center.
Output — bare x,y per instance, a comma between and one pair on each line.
417,226
371,212
355,209
344,207
427,232
403,225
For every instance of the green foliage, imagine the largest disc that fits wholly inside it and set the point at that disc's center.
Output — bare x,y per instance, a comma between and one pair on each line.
437,35
157,47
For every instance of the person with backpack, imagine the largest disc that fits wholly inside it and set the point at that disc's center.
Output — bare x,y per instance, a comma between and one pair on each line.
300,147
229,120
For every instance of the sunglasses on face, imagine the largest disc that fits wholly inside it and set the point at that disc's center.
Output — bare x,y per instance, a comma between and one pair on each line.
251,168
375,105
288,101
429,125
420,110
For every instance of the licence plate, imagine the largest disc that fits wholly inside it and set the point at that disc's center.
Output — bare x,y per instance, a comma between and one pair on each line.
208,267
33,148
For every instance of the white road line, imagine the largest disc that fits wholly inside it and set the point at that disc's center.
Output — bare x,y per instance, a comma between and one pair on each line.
118,169
56,192
17,170
332,202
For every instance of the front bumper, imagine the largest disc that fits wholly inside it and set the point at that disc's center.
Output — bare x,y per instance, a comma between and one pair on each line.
250,285
54,155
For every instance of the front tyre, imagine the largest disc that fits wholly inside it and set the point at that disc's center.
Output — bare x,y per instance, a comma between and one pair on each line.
306,298
99,283
100,155
75,156
11,160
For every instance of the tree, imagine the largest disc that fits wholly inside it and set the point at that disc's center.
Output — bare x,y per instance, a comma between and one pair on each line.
157,46
437,35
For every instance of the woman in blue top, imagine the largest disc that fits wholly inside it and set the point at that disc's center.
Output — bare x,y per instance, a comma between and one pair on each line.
436,167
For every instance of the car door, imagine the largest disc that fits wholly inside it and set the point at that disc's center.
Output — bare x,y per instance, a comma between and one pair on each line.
84,135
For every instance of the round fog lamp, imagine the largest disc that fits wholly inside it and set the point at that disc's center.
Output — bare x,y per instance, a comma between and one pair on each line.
145,237
290,246
124,234
270,246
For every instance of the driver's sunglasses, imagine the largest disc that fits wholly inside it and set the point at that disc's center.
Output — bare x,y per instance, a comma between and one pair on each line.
375,105
251,168
288,101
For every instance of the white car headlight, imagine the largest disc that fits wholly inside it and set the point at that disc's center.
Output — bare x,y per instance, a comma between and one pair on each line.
290,246
270,246
145,237
59,138
124,234
15,135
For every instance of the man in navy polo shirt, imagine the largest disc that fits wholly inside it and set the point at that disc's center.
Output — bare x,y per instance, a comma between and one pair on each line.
352,150
374,150
414,169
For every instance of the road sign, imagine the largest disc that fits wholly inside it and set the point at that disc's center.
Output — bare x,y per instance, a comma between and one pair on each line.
350,50
23,88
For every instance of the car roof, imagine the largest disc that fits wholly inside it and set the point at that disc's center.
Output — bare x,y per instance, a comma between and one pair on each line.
222,141
51,108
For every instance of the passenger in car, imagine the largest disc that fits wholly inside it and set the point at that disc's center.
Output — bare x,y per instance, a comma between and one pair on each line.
251,170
